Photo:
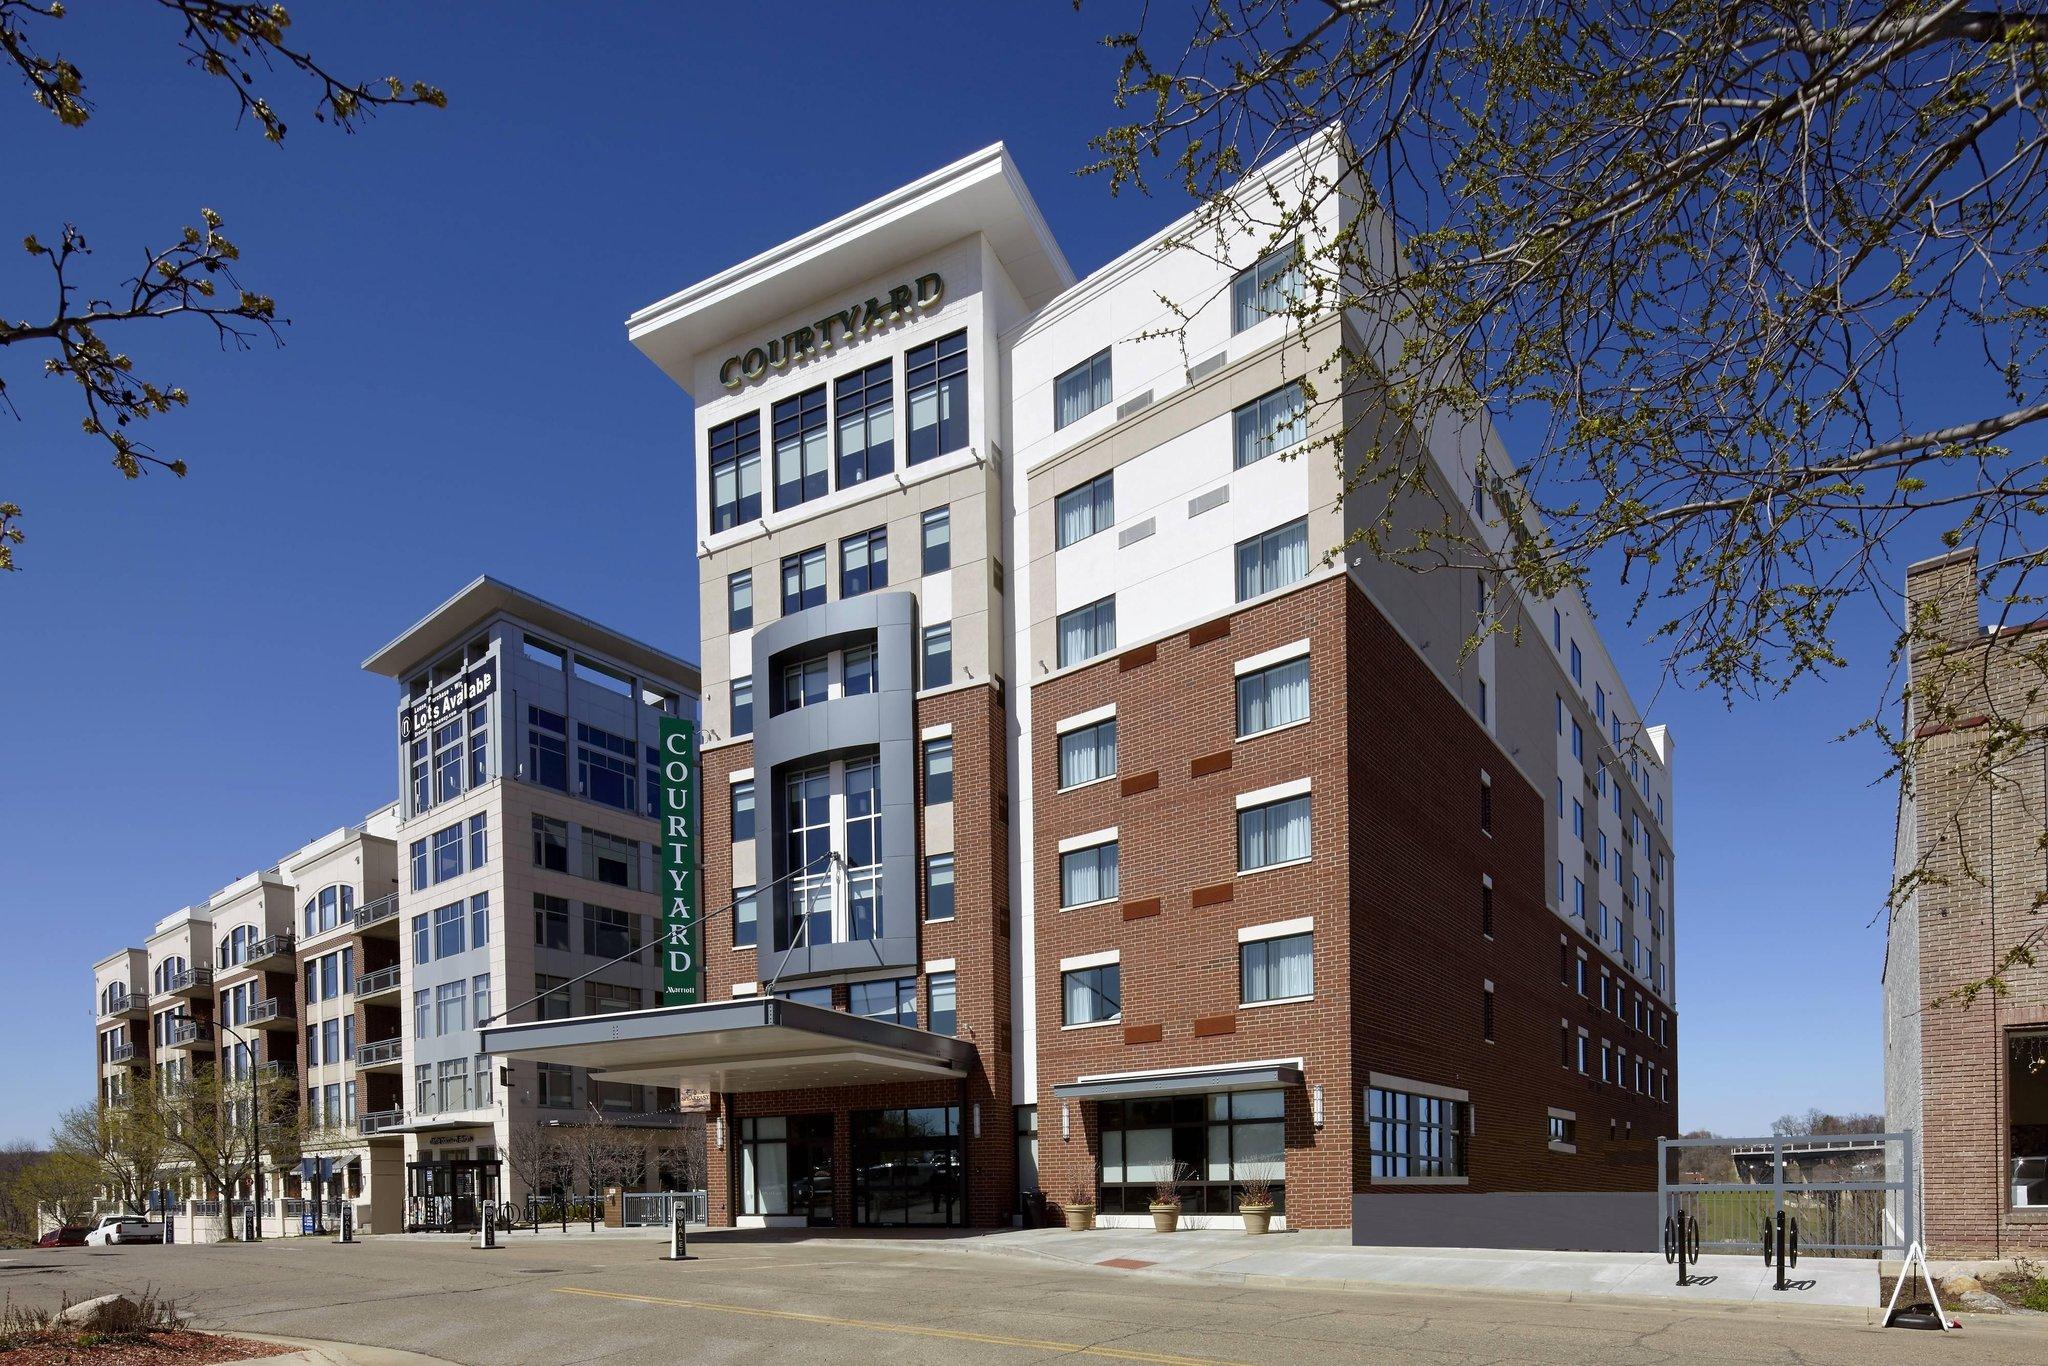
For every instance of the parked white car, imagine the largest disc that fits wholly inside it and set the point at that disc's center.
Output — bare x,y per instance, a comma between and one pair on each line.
123,1228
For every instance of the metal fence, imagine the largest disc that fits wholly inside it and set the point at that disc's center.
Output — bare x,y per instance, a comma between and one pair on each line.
645,1209
1839,1187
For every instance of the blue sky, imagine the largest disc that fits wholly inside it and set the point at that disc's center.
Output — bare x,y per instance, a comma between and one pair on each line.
457,396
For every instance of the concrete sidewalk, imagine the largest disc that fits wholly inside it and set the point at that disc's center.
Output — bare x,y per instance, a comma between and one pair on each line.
1327,1259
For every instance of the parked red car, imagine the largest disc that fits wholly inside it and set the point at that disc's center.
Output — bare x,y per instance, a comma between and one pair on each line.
67,1236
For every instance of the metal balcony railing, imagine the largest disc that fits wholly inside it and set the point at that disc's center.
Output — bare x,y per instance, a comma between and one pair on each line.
270,1010
279,945
276,1069
383,908
377,1121
191,1031
121,1052
372,983
122,1004
382,1051
189,980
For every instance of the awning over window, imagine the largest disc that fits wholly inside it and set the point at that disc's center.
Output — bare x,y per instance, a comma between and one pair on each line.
753,1043
1249,1076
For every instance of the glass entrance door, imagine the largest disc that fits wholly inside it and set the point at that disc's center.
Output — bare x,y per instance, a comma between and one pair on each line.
810,1159
906,1166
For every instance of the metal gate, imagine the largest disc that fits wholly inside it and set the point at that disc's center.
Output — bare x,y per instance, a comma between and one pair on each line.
1853,1194
644,1209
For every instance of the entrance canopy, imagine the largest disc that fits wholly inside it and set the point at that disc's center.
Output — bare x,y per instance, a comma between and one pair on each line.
755,1043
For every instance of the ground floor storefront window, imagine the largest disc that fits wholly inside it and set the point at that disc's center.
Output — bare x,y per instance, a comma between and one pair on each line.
786,1166
449,1196
1215,1143
906,1166
2027,1116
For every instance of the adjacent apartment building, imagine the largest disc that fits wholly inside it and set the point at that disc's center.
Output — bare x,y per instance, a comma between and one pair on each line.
1970,1077
515,868
1072,821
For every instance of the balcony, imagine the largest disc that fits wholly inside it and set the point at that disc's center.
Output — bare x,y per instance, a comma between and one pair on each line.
274,1013
379,917
194,981
128,1005
276,1069
379,1121
281,945
120,1053
382,1053
191,1034
376,983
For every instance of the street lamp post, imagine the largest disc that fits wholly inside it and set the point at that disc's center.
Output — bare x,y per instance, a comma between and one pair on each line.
255,1133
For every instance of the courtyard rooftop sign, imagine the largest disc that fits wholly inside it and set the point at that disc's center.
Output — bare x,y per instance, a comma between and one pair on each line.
920,294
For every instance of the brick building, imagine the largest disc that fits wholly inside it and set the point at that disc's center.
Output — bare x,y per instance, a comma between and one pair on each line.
1970,1078
1069,820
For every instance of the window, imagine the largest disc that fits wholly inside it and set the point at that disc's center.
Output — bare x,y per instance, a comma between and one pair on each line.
1578,819
480,920
864,563
448,761
449,924
1562,1130
804,684
1486,906
419,870
422,1014
736,472
479,841
422,793
422,940
1082,511
938,772
551,997
547,749
1081,390
832,805
608,933
935,382
1486,1013
743,810
857,671
800,439
945,1011
1088,753
1485,804
1278,969
448,853
607,998
937,667
1272,423
865,403
454,1082
1091,995
1087,631
1578,661
605,768
746,917
803,580
1223,1139
938,887
1416,1135
557,1087
550,921
451,1002
1088,875
739,600
893,1001
1267,289
550,843
1272,833
1578,744
742,706
485,1092
609,859
1272,560
936,535
1270,698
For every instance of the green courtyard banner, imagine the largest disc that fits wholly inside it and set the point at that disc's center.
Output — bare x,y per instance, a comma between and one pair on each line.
681,964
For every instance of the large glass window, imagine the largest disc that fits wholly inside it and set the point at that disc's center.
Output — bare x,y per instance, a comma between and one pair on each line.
764,1165
1226,1140
1082,511
739,600
938,887
1087,631
609,998
2026,1102
479,841
1088,753
936,531
550,843
805,683
449,928
605,768
935,379
1275,832
938,771
816,819
803,580
1088,875
1270,423
448,761
608,933
864,563
936,666
1091,995
1272,560
865,403
1267,289
1081,390
551,998
1277,969
448,853
743,810
479,745
736,472
1272,697
801,468
451,1005
857,671
550,921
906,1166
609,859
1416,1135
893,1001
547,749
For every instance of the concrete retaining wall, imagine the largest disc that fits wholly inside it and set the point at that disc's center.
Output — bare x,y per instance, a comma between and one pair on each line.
1550,1221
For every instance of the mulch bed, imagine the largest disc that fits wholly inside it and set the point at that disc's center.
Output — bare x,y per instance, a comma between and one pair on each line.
178,1346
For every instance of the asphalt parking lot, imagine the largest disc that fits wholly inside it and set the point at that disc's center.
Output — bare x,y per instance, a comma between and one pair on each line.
766,1298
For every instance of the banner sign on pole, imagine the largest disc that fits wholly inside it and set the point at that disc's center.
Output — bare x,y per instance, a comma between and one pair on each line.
681,966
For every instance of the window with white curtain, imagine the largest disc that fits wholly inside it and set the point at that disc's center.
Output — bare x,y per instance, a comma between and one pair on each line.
1274,832
1272,697
1270,423
1277,969
835,806
1272,560
1082,511
1268,288
1087,631
1092,995
1088,875
1081,390
1088,753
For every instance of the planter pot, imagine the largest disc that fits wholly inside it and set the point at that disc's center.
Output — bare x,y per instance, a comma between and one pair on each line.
1257,1218
1165,1218
1080,1218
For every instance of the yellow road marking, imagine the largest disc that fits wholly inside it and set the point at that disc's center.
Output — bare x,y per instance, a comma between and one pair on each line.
908,1329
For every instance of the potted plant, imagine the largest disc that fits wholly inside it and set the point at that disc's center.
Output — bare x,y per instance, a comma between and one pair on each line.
1166,1200
1255,1203
1080,1211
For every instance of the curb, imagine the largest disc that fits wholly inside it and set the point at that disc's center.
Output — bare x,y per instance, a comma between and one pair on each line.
326,1353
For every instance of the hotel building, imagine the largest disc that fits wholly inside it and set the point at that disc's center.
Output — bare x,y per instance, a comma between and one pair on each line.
1071,820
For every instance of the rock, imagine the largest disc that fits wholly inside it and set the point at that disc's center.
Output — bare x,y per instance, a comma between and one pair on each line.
105,1314
1961,1285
